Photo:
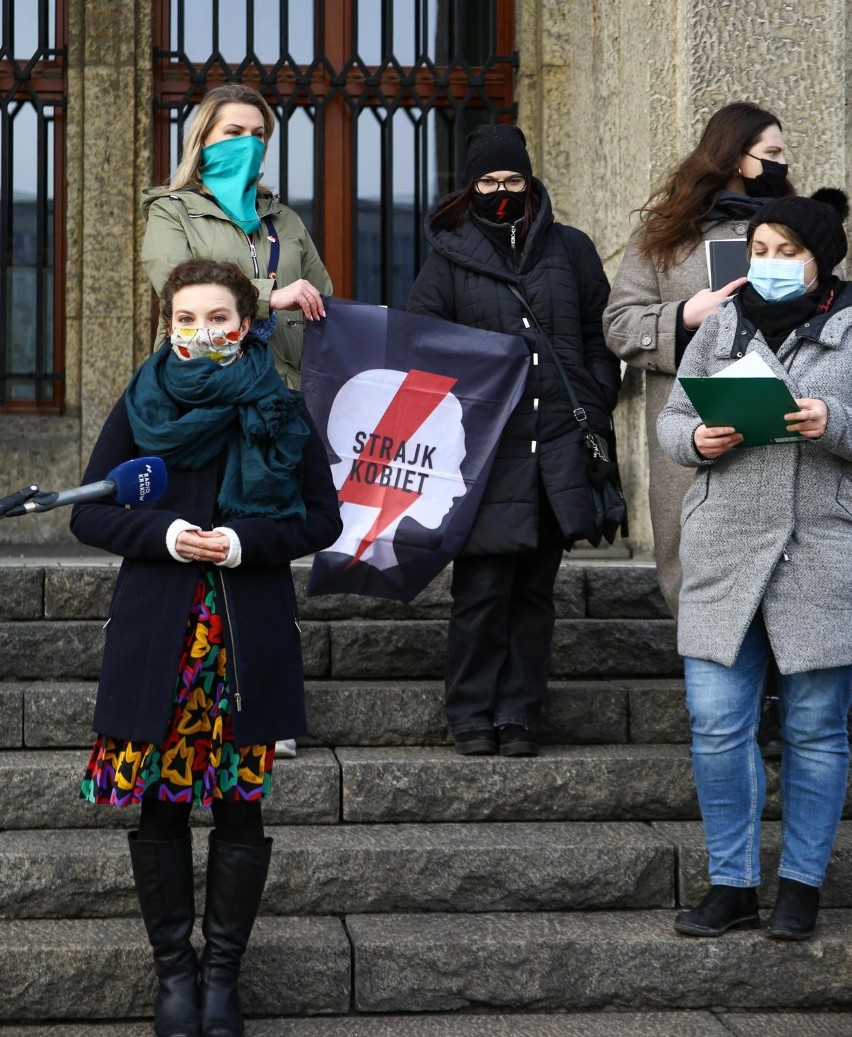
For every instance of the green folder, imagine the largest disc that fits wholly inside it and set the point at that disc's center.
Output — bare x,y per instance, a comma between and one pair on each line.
755,407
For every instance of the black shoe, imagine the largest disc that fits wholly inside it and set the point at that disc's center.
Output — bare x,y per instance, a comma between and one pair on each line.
724,908
476,743
795,913
517,741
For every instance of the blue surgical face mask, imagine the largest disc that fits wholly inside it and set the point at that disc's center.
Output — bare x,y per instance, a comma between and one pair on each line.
778,280
229,170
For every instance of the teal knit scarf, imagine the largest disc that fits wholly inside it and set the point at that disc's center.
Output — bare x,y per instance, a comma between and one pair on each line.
187,411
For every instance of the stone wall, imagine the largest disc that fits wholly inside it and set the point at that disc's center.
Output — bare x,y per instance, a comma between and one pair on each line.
613,92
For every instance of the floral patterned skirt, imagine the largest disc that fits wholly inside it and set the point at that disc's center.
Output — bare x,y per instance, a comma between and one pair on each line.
198,762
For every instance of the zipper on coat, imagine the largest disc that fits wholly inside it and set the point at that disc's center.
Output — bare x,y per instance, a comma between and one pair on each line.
253,251
238,699
784,554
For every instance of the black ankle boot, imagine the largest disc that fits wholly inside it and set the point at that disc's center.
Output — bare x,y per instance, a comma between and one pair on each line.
724,908
235,879
795,913
162,872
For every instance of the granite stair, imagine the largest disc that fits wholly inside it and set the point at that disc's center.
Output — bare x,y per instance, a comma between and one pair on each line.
412,892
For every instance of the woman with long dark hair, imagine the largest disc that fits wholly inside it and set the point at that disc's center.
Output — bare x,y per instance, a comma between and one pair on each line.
661,292
500,262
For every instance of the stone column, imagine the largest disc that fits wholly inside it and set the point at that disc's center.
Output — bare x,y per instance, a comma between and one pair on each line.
109,164
614,92
107,325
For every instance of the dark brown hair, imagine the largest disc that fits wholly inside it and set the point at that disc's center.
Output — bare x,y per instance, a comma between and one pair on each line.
208,271
452,209
673,215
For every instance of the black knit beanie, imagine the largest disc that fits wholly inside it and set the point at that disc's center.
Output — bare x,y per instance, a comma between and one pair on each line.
498,147
817,220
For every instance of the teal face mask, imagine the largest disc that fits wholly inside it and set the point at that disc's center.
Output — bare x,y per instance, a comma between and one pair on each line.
229,170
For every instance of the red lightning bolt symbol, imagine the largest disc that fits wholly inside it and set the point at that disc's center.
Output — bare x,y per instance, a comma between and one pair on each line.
415,399
501,208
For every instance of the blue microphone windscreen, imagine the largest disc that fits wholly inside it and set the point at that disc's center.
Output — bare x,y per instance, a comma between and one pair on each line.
139,481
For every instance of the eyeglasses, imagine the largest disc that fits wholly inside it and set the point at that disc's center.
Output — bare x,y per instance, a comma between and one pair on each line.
488,185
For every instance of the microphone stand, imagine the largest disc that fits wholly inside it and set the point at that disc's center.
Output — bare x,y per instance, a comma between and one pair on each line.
15,500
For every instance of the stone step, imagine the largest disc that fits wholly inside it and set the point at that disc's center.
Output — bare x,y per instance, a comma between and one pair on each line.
58,714
688,1023
564,783
366,649
76,589
91,969
42,790
360,869
345,869
39,789
579,961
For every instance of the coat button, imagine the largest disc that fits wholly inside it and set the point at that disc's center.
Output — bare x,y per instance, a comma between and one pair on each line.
743,332
646,340
740,228
740,353
652,367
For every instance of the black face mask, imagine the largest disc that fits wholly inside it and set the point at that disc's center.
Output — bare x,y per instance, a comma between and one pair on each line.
500,206
770,183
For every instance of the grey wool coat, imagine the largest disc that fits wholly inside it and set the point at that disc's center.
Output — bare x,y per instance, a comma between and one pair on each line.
769,527
639,324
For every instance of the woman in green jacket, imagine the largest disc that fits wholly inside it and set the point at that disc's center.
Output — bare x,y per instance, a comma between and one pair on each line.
215,207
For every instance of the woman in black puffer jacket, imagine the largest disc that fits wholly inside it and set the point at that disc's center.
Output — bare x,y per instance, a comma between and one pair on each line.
495,234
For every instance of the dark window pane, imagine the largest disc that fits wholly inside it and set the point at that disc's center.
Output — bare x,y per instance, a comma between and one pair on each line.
30,360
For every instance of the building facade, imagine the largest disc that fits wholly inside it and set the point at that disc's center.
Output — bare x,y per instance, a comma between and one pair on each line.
609,93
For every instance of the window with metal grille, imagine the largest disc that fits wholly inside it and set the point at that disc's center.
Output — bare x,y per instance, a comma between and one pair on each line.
374,100
32,204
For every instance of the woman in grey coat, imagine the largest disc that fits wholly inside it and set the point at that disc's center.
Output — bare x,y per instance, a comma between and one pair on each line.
660,294
765,547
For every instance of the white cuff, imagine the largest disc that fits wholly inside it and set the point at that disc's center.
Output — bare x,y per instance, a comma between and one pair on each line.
173,532
235,553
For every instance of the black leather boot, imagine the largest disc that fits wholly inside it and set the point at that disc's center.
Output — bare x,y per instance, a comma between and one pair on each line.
724,908
795,913
235,879
162,872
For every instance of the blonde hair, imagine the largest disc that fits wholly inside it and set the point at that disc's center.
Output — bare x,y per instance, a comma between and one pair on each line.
188,172
787,233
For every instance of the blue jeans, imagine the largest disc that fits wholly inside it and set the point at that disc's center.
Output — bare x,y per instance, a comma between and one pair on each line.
724,709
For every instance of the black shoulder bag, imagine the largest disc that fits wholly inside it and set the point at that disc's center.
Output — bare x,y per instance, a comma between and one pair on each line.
609,509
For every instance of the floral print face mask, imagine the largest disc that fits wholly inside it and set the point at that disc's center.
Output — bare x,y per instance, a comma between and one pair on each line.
214,343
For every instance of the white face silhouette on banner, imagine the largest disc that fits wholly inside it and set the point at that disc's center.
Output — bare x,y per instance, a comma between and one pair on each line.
400,440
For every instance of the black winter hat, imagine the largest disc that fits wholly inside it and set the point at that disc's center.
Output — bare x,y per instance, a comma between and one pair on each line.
491,148
817,220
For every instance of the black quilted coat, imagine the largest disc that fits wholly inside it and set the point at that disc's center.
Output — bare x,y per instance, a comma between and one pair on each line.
466,279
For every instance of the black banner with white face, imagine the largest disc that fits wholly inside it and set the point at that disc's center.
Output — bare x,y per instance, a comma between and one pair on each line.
411,409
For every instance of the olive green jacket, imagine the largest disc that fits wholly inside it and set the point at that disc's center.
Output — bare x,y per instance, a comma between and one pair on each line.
186,224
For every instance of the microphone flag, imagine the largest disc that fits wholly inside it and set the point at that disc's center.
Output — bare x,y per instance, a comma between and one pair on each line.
410,409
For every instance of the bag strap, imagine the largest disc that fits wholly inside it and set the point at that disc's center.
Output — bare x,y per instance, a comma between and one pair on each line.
274,246
579,412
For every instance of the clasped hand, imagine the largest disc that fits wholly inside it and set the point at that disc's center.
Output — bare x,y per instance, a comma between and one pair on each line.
202,545
810,420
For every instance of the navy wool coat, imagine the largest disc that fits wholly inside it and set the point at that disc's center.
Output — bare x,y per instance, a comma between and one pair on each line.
153,595
466,279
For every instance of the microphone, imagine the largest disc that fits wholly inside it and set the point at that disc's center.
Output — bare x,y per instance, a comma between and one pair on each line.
133,482
14,499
